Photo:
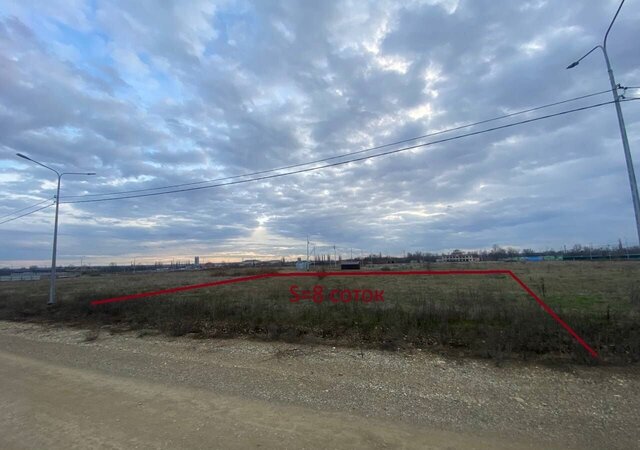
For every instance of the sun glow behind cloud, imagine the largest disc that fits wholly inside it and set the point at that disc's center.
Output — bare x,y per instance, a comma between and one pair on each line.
238,87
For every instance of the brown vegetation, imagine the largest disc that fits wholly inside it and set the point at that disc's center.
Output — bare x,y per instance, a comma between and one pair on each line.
482,316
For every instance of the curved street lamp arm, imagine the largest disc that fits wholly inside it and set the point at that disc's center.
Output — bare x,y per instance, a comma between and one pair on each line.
77,173
611,24
38,163
585,55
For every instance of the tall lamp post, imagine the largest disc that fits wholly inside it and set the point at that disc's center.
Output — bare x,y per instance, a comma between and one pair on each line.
623,130
52,284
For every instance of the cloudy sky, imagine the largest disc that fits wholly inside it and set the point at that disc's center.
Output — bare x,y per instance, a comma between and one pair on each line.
149,94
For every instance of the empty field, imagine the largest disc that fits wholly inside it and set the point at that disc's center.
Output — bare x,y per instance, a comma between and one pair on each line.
486,316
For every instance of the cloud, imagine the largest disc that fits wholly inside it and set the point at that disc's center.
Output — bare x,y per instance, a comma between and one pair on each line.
150,94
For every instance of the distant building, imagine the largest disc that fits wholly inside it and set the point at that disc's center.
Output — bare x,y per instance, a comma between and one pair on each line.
302,265
350,265
272,262
197,261
458,257
250,262
21,276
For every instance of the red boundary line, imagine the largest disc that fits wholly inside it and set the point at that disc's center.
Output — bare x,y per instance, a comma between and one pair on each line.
526,288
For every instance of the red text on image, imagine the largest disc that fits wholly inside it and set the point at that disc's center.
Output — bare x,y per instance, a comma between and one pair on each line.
318,294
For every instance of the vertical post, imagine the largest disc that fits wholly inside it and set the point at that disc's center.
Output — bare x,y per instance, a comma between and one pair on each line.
625,144
52,284
623,131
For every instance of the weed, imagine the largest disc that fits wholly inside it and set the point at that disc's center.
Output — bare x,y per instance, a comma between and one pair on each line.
487,317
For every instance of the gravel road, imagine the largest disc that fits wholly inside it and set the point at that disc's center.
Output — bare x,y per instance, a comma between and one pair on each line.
65,388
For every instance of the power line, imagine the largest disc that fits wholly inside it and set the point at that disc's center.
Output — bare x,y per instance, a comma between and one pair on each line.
27,207
331,158
390,152
27,214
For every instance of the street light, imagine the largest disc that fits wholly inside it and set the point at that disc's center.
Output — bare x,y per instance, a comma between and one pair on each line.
52,284
623,130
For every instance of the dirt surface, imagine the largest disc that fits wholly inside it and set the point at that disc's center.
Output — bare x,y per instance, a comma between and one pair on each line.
73,388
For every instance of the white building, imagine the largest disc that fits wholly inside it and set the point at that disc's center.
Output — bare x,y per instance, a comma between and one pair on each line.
458,257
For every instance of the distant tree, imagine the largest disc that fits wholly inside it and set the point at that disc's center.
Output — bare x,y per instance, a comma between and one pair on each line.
511,252
497,253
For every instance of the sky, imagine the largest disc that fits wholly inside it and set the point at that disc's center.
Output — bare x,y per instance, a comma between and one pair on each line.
156,93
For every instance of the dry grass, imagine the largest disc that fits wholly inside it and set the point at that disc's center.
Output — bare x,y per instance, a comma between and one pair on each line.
488,316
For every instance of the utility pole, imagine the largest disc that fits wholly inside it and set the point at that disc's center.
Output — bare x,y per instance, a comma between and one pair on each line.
623,130
52,283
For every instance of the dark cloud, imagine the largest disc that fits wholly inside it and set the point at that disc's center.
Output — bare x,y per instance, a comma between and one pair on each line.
150,94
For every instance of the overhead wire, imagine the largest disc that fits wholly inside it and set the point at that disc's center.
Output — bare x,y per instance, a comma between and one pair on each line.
26,214
27,207
344,155
335,164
